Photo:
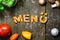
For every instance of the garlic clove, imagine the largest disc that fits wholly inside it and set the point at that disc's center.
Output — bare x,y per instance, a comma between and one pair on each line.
54,31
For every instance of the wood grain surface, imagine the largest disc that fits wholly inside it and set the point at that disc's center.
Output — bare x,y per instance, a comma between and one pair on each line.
40,31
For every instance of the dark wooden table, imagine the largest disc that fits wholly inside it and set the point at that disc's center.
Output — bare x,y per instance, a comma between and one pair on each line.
40,31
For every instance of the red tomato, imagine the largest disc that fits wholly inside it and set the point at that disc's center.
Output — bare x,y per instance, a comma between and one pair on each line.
5,30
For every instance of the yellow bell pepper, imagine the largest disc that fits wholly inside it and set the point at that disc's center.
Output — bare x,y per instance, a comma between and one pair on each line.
27,34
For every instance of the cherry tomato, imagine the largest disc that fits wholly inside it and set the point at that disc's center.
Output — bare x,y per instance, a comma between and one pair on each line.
5,30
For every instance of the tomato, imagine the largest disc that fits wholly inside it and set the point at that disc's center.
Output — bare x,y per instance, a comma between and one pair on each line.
5,30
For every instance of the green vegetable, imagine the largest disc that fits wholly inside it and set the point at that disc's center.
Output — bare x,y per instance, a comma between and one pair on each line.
0,1
1,7
10,4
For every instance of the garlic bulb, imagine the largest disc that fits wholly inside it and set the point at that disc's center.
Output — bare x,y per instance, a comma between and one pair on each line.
54,32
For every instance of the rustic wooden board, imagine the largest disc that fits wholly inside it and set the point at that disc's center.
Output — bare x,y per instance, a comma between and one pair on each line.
28,6
40,31
53,21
